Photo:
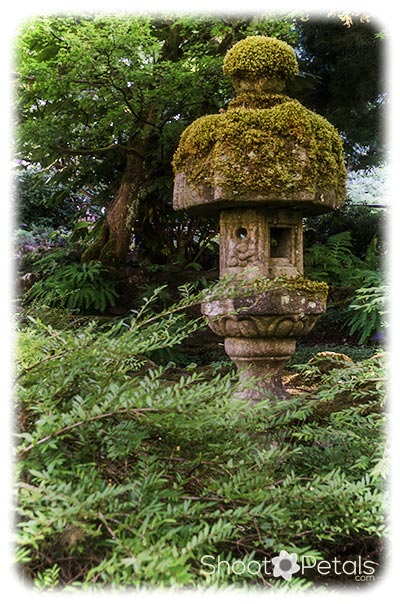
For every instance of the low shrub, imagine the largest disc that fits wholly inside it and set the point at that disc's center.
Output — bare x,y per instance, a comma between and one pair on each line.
129,473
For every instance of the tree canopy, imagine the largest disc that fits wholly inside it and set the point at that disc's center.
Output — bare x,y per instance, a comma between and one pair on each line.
345,58
102,102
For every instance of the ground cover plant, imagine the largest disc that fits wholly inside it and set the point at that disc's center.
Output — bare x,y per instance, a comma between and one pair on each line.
131,474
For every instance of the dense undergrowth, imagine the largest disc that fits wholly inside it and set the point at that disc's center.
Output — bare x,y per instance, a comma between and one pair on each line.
129,472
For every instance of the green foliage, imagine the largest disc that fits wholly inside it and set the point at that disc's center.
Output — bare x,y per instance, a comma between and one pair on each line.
129,473
366,294
368,311
38,239
333,261
93,92
363,222
90,91
365,297
44,262
347,62
48,579
81,287
41,200
362,215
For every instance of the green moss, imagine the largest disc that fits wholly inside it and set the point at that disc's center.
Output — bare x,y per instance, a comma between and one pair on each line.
110,254
94,250
254,100
265,143
244,288
260,56
300,284
280,149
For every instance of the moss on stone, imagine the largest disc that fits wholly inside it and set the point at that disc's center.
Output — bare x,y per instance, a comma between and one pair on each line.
280,149
254,100
266,144
299,284
260,56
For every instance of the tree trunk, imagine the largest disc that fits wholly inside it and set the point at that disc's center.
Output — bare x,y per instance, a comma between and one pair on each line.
111,246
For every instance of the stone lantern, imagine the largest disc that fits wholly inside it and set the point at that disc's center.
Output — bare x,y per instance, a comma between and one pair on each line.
262,165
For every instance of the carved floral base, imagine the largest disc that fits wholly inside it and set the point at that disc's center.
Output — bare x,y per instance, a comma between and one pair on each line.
260,334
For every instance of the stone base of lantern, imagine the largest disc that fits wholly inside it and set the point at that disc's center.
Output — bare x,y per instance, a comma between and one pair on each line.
262,361
260,331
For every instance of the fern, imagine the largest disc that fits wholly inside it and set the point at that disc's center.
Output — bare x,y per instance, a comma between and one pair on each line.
368,311
78,287
333,261
47,579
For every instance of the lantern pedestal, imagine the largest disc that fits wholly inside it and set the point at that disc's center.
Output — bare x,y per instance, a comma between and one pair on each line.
263,360
260,330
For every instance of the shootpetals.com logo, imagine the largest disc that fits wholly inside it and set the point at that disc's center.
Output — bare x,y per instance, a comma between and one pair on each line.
286,565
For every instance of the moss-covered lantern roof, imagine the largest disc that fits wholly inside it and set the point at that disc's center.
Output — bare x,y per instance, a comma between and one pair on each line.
266,149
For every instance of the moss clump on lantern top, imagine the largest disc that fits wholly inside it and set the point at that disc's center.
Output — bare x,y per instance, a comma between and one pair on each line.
266,147
282,149
258,57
